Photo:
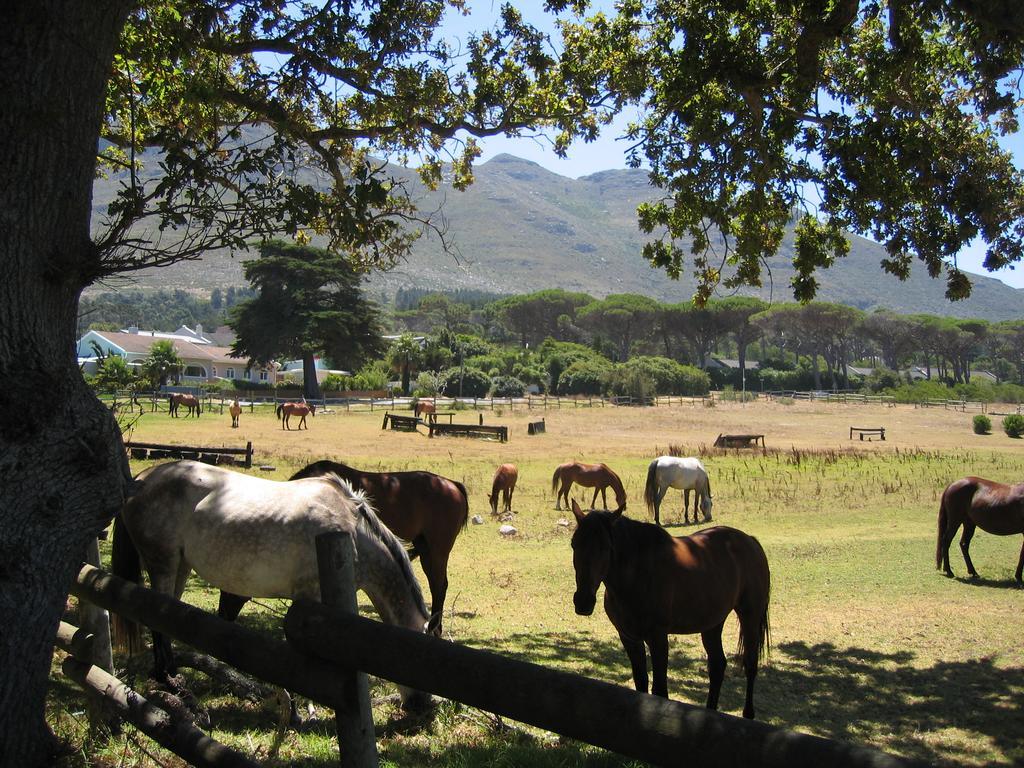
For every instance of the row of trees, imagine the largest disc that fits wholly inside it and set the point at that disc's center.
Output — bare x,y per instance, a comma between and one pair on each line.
308,304
832,336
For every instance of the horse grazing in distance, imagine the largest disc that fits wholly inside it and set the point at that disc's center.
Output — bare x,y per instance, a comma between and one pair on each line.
596,476
974,502
235,410
429,407
683,474
254,536
177,399
286,410
420,507
658,585
504,482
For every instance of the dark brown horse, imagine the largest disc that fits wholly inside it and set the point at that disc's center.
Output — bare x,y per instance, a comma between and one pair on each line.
596,476
178,399
420,507
504,482
286,410
657,585
974,502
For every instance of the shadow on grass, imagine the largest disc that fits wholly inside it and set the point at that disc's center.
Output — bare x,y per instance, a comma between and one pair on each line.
948,713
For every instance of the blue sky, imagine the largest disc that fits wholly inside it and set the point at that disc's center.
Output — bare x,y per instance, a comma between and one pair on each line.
608,151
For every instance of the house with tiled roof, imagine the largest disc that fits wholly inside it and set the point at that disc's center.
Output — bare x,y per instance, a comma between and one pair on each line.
202,360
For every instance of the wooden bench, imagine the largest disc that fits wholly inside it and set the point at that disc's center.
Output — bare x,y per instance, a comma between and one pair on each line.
401,423
869,431
436,414
739,441
469,430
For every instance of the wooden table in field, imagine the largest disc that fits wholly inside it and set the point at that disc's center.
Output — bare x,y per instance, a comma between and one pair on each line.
869,431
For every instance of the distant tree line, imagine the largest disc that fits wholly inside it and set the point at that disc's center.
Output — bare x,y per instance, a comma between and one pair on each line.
573,343
163,310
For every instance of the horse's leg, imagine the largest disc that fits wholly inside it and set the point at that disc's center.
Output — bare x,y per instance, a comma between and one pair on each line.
659,664
230,605
563,491
436,570
593,501
712,640
164,666
965,545
657,504
750,631
637,660
686,507
947,538
1020,566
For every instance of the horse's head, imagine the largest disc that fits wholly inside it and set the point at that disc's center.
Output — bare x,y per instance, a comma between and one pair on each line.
312,409
705,508
493,499
591,555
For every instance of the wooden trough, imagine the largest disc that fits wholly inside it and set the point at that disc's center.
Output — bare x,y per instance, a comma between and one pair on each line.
145,451
739,441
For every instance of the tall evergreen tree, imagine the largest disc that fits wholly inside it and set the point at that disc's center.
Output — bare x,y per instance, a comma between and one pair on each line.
309,303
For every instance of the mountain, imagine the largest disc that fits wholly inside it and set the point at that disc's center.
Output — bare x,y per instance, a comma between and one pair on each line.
521,228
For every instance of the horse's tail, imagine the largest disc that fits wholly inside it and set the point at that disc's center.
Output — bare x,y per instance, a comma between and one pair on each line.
125,563
465,503
764,632
943,522
280,411
555,478
651,488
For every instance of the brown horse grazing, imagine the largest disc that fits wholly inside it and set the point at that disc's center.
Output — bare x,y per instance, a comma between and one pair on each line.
286,410
974,502
235,410
428,407
421,507
504,482
177,399
657,585
596,476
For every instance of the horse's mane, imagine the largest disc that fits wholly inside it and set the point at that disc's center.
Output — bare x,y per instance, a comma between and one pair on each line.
372,524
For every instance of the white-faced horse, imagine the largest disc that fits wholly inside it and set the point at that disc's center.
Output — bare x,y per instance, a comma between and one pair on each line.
683,474
253,536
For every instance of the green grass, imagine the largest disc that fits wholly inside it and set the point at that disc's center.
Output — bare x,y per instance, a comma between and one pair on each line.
869,642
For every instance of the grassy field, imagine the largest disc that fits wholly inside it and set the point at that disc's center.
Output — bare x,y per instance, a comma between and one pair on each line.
869,642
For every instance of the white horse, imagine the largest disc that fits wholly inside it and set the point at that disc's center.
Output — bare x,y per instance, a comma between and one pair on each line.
683,474
252,536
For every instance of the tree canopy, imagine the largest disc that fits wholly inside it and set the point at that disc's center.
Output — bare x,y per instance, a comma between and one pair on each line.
268,118
874,116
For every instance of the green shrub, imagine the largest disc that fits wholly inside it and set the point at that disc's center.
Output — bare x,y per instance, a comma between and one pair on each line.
643,377
982,424
1013,425
469,381
507,386
584,377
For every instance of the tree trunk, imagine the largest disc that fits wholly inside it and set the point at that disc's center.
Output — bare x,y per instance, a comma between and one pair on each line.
310,383
62,466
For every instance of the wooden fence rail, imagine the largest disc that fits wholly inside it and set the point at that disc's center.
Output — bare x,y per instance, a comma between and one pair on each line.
325,644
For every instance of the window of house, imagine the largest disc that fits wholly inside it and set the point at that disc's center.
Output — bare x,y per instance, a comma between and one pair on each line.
230,373
195,371
263,376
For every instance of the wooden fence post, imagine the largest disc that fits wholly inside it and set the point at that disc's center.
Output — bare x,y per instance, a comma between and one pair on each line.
357,741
